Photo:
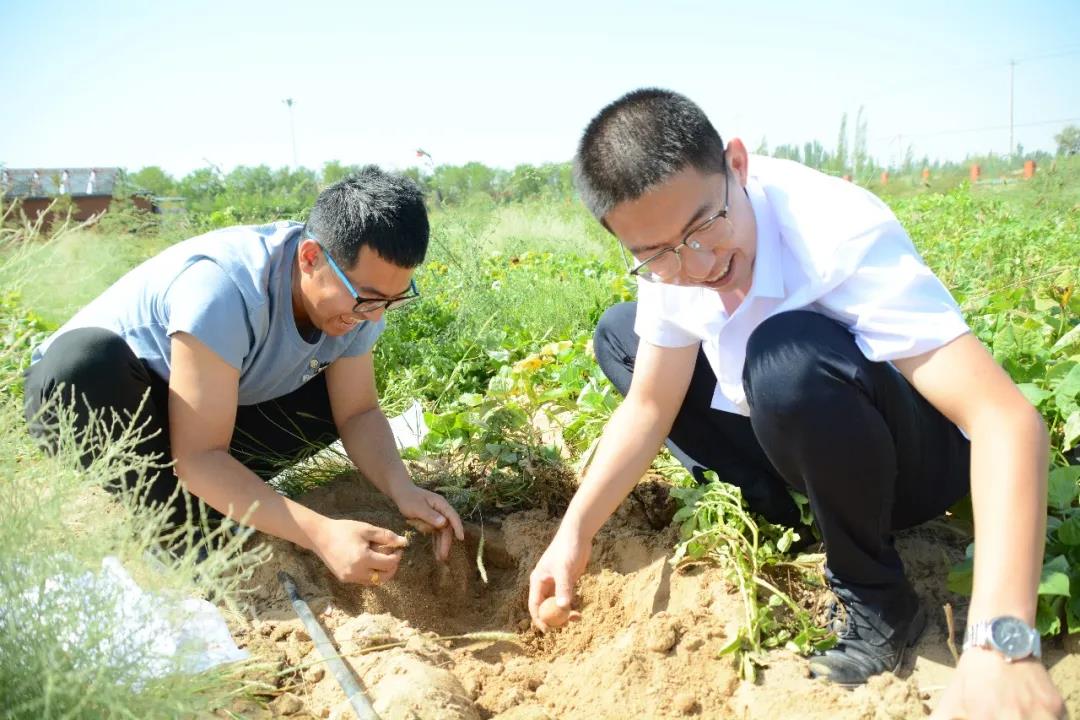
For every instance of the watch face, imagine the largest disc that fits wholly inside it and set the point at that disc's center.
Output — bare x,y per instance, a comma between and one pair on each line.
1011,637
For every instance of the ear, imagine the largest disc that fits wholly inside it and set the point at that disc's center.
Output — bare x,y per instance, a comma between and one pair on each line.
738,159
308,255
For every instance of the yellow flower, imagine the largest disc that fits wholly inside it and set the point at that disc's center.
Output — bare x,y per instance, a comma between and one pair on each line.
554,348
532,362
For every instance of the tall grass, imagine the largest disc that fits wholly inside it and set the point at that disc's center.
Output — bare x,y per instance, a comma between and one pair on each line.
60,654
58,274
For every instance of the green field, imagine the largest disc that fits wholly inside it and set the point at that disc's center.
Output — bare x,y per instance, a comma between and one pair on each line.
511,292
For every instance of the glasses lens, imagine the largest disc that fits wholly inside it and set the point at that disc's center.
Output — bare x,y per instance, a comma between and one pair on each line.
369,306
716,231
662,266
400,301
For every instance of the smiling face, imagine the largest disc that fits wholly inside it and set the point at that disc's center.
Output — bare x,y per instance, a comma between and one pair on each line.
664,215
322,301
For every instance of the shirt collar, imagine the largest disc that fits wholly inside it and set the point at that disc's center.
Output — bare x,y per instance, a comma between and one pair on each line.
768,272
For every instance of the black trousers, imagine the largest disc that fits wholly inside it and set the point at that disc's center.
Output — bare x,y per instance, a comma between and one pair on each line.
869,451
95,371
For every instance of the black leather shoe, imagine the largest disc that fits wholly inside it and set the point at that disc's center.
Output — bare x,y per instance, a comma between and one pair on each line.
878,628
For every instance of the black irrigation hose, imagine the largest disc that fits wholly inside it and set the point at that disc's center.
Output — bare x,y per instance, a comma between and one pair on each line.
359,701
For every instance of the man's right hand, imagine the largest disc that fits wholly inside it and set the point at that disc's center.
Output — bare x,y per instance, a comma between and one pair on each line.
557,572
357,552
627,446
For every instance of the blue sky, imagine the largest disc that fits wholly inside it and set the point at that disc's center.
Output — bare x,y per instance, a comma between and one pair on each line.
182,85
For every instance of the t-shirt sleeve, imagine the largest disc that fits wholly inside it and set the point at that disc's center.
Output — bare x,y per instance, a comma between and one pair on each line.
652,323
364,338
205,303
894,305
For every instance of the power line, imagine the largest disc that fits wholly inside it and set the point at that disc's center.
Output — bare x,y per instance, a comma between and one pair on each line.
952,74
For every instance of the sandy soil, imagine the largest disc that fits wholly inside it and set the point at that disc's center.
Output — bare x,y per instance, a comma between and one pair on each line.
646,647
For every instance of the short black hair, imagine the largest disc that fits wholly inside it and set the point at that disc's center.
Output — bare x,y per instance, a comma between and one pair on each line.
382,210
637,142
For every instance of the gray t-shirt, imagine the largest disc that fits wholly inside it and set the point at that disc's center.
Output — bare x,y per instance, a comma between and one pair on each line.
231,289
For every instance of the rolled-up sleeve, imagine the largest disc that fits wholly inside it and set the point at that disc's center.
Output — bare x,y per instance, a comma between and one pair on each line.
653,323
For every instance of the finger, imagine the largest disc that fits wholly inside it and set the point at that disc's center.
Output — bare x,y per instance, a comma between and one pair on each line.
373,577
443,506
443,542
369,575
389,549
382,536
429,514
564,589
383,563
420,525
540,589
436,545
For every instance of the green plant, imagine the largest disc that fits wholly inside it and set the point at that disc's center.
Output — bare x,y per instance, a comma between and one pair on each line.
715,525
1033,329
488,458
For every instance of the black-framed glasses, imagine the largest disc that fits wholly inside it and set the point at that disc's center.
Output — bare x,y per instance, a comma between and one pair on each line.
368,305
666,263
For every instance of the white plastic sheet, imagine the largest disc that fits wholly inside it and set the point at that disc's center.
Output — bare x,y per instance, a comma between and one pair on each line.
164,634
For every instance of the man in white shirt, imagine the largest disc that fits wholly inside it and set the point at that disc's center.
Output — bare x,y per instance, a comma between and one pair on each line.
787,333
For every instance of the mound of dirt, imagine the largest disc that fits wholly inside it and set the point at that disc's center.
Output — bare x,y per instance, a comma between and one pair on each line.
647,646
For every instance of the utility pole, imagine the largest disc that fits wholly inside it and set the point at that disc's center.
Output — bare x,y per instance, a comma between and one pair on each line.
1012,72
292,129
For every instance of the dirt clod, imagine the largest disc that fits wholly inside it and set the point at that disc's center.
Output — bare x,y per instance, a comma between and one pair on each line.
685,703
663,633
286,704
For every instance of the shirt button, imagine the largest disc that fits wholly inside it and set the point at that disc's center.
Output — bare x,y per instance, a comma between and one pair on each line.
314,364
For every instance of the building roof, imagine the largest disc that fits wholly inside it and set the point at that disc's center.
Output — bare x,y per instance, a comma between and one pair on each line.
22,183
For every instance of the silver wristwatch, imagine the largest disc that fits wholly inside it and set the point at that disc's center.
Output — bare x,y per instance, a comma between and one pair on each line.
1010,636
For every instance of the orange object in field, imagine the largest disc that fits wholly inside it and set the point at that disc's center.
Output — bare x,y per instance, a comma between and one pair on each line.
926,175
885,177
975,172
1029,169
848,178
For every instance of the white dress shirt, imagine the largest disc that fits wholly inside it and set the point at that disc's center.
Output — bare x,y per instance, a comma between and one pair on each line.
823,244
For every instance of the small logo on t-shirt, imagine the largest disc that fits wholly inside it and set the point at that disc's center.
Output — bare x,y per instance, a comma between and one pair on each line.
314,368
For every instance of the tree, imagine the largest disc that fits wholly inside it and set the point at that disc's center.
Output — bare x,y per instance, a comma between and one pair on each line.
840,161
153,180
860,155
202,183
525,181
333,171
815,156
909,161
788,152
1068,140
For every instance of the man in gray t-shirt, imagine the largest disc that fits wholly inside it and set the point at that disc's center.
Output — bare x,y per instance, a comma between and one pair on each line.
253,347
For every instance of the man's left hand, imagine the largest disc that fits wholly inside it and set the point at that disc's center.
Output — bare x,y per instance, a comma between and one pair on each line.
420,504
985,686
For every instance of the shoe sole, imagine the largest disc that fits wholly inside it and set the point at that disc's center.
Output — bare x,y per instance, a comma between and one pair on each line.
915,631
